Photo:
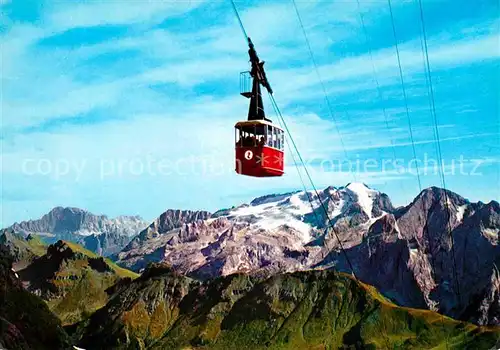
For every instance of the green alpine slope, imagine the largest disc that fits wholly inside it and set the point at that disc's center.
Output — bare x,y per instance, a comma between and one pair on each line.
302,310
24,249
72,280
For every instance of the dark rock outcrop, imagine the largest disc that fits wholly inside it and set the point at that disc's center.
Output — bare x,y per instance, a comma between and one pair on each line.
25,320
168,221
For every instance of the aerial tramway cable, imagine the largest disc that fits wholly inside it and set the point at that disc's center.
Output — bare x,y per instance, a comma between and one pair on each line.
438,148
273,101
379,92
436,135
375,78
314,187
239,20
330,109
404,94
426,228
298,172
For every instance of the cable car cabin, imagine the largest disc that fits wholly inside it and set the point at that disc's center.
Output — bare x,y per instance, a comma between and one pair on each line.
259,148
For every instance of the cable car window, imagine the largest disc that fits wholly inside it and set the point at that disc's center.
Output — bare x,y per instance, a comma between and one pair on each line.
255,141
275,138
282,140
269,136
247,136
279,138
260,132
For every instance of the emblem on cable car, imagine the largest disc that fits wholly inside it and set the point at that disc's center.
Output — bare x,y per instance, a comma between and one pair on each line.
248,155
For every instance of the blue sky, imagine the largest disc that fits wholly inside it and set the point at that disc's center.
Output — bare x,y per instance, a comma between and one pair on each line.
128,107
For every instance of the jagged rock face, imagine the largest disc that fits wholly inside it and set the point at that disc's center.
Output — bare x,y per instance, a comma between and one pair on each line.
74,220
410,257
169,220
25,320
98,233
382,259
106,243
309,309
454,274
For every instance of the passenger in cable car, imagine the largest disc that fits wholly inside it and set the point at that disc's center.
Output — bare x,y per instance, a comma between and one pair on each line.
247,141
262,141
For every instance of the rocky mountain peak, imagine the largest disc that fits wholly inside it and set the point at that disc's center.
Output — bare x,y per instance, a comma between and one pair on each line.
268,233
490,214
98,233
394,249
61,220
60,249
436,196
172,219
166,222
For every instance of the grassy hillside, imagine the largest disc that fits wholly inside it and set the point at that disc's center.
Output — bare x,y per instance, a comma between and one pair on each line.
303,310
22,249
120,271
72,280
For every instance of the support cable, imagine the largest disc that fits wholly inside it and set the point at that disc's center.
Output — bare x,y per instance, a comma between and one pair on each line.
375,78
439,153
318,221
404,95
239,20
312,184
330,109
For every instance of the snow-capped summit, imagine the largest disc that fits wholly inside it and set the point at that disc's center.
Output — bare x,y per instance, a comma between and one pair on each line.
277,211
269,232
365,196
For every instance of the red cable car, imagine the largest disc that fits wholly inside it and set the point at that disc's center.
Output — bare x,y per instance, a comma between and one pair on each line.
259,143
259,148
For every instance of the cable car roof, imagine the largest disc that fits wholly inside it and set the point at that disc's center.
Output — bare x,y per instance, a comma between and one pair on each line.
256,122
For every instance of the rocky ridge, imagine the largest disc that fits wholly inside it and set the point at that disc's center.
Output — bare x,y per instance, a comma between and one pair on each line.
98,233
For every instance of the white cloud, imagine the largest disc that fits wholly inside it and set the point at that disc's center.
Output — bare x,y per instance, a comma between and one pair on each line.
349,71
66,16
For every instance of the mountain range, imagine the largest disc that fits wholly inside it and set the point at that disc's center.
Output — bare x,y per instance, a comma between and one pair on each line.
406,253
98,233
